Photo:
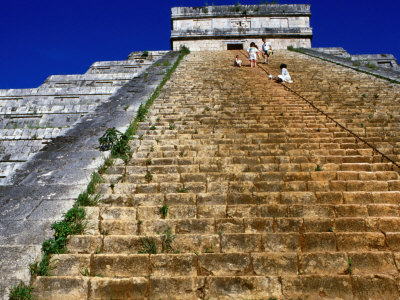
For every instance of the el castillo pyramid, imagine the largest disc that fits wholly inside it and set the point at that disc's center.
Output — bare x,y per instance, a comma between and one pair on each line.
209,181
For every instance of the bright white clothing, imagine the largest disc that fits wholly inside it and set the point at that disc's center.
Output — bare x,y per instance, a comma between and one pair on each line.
266,46
238,62
285,76
252,53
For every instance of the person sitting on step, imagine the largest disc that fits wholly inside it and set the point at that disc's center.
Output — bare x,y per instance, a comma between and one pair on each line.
284,77
238,62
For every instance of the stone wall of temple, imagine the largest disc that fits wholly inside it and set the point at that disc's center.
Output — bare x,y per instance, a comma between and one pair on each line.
241,21
215,27
217,45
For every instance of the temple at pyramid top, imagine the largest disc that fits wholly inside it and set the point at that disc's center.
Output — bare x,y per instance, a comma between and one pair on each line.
231,27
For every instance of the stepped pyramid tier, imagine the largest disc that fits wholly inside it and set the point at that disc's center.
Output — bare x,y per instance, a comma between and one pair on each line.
49,136
386,61
239,189
31,118
230,27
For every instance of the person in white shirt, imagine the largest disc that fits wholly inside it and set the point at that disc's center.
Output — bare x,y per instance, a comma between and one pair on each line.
253,54
266,50
238,62
284,77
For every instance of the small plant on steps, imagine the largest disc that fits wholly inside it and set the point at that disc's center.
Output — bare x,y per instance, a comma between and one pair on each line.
164,211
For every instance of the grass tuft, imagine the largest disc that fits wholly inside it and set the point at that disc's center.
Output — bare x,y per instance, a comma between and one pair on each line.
96,178
167,240
148,246
21,292
40,268
349,269
84,199
164,211
70,225
148,177
182,190
85,272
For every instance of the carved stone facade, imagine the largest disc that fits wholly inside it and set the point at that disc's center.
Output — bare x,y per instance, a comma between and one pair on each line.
236,26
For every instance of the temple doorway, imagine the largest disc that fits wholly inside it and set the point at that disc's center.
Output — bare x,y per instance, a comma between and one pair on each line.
235,46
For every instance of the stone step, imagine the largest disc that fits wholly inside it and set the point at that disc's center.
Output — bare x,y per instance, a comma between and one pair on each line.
244,218
320,219
187,165
294,203
254,176
251,187
246,198
223,264
221,287
239,242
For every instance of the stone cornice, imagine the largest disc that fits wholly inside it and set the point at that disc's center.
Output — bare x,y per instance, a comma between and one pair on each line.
241,32
276,10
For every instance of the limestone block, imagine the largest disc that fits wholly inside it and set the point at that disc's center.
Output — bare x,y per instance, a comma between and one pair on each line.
60,288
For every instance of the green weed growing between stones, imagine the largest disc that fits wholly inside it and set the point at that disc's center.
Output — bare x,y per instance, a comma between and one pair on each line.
109,139
148,177
40,268
85,199
182,190
96,179
148,246
349,269
107,163
167,240
71,224
164,211
85,272
115,141
21,292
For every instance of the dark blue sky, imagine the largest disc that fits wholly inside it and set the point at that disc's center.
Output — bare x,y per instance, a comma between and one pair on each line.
46,37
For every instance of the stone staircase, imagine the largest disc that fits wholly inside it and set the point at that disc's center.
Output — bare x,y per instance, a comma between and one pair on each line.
367,105
31,118
238,189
